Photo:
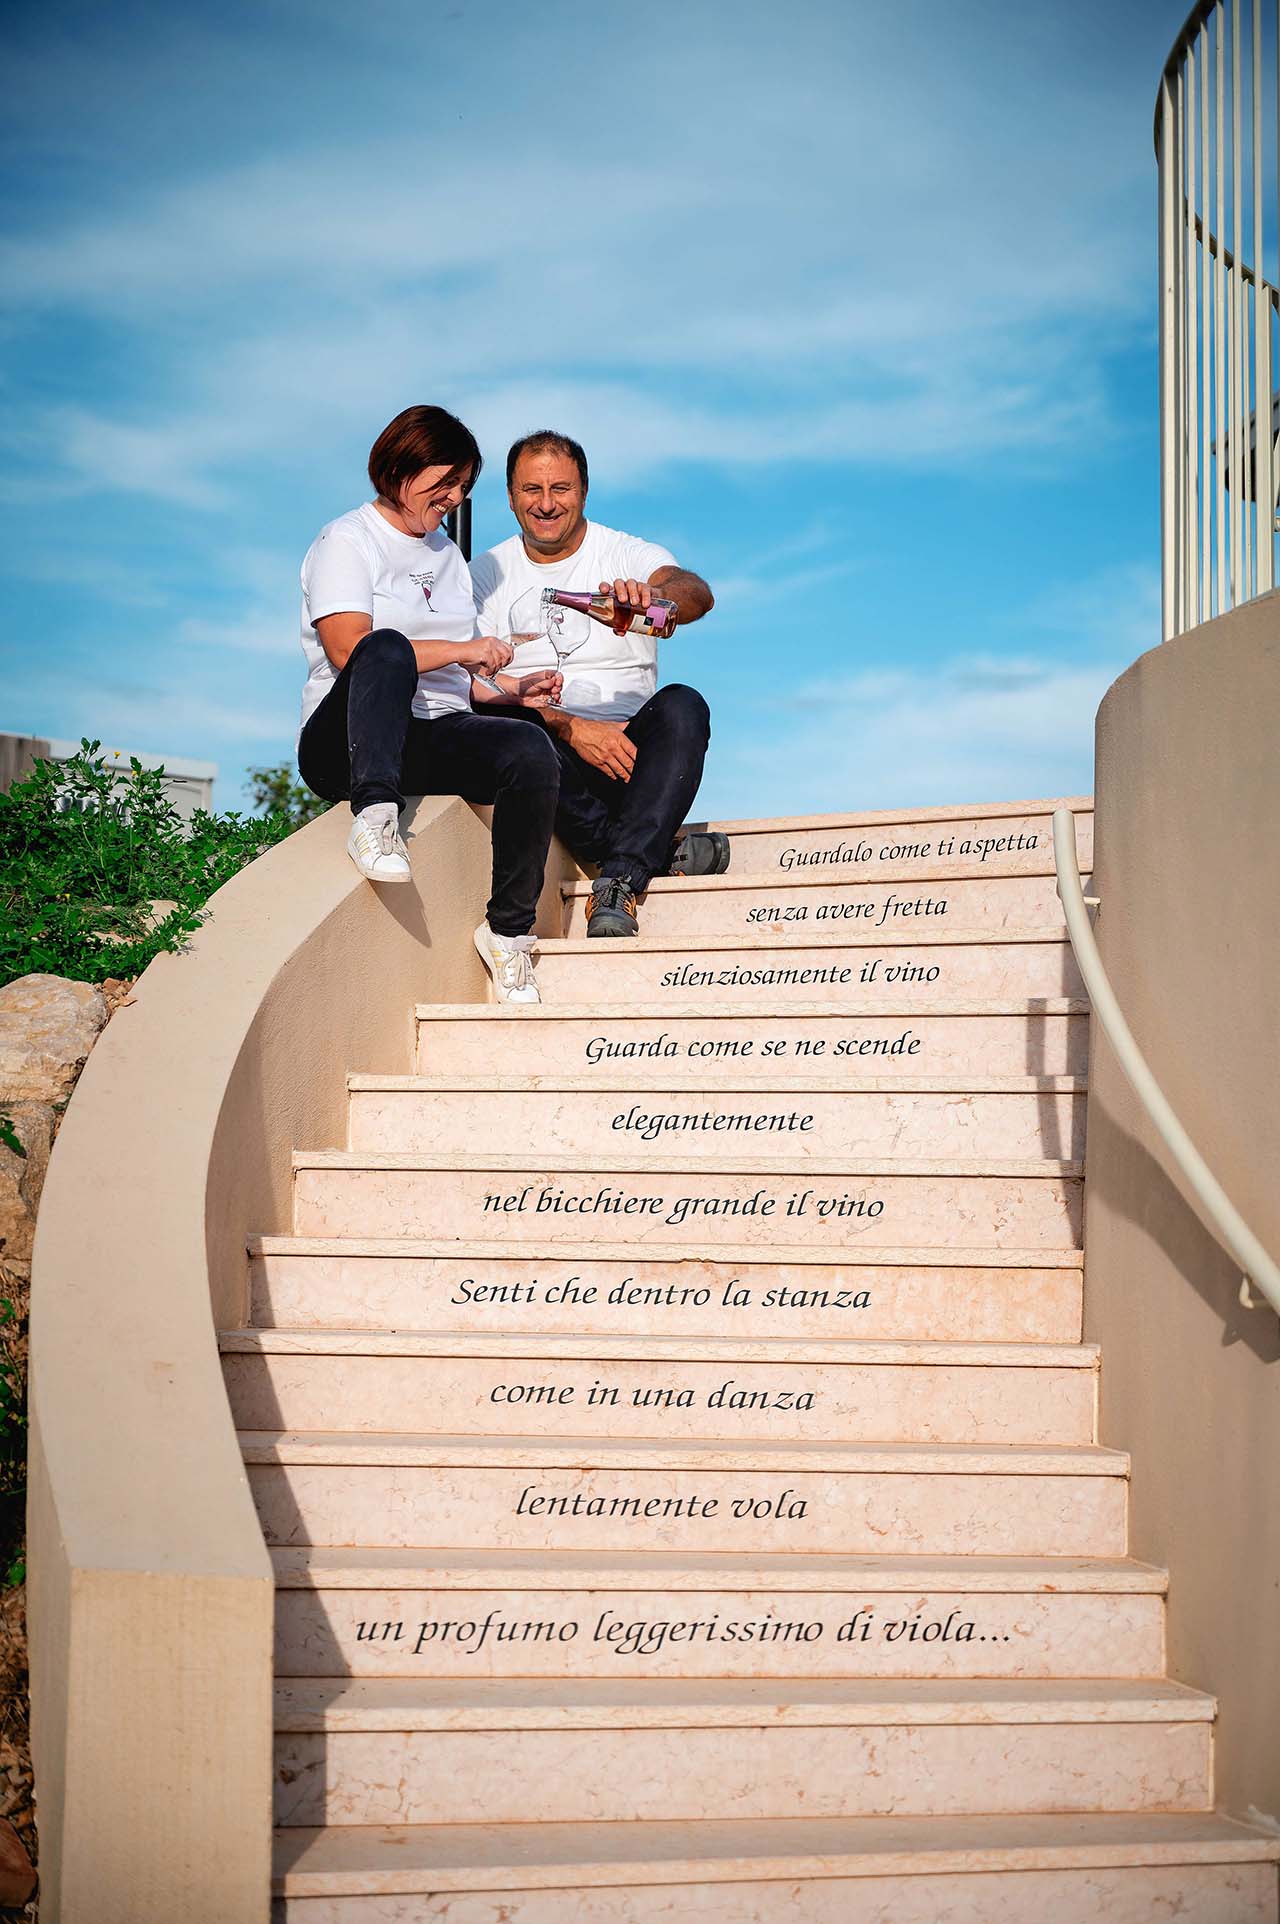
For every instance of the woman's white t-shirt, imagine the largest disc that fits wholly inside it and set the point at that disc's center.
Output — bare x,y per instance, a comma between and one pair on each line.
611,676
418,584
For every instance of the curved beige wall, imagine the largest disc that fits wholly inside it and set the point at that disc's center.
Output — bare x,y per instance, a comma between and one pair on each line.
1188,869
150,1588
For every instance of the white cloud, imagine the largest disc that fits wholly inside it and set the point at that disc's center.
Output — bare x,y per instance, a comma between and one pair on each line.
821,251
970,728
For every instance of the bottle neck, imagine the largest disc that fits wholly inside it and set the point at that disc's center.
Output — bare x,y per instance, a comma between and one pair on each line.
573,598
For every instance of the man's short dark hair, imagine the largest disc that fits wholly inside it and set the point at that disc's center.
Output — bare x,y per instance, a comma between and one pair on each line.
418,438
547,441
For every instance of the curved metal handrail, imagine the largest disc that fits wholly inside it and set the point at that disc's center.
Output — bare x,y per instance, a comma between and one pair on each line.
1200,1186
1191,26
1219,342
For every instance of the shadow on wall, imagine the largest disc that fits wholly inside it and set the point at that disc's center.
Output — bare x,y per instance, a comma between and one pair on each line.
1146,1197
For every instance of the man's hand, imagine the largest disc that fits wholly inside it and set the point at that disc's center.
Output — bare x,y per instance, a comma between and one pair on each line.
485,655
537,690
630,598
601,744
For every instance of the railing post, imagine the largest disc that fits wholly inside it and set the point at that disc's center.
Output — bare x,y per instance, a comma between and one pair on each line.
1169,533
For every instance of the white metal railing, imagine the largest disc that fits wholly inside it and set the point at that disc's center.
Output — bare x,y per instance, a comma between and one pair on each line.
1197,1181
1217,141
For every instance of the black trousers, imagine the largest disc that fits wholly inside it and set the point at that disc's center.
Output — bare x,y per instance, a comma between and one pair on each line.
629,828
364,743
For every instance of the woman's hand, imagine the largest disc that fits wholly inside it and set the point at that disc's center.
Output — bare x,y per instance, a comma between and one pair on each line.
541,689
485,655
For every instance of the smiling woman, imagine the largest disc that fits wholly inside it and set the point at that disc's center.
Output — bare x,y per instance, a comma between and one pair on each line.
394,660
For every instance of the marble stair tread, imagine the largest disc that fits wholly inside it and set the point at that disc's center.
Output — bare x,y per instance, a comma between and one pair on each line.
845,1349
884,817
726,1254
693,1081
888,1005
411,1858
324,1568
943,812
747,1164
593,1703
848,938
890,872
410,1450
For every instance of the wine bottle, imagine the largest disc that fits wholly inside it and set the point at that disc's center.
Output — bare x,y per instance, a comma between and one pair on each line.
658,619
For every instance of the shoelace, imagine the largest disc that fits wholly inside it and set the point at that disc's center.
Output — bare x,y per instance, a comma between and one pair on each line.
515,966
613,892
382,840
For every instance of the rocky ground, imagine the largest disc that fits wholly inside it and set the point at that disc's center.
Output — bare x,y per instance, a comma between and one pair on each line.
48,1025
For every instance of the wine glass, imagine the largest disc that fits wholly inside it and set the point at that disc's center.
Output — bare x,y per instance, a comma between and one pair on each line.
534,616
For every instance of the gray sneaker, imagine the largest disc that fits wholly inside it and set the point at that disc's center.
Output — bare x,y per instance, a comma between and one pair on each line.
612,908
701,852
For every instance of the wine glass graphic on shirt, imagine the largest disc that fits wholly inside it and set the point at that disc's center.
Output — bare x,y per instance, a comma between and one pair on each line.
535,617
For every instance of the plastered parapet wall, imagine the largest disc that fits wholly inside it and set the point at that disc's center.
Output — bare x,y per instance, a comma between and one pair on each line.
1188,870
150,1588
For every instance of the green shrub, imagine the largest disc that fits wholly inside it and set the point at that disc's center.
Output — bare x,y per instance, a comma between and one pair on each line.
99,873
277,791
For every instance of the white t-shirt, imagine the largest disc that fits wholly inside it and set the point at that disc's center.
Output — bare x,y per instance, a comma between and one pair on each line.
610,676
417,584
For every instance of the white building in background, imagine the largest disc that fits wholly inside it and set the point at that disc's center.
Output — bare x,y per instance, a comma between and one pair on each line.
188,784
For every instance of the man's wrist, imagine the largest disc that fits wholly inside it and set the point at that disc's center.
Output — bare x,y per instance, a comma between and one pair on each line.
559,721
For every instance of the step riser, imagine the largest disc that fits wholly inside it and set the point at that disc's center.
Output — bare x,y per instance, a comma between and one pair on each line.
781,1402
1191,1893
871,1513
957,1212
532,1776
513,1295
829,1048
616,1120
968,846
761,907
920,976
582,1633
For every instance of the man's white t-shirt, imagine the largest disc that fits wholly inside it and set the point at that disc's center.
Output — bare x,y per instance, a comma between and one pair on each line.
417,584
610,676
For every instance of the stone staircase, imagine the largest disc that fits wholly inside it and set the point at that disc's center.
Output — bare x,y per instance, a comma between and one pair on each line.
672,1431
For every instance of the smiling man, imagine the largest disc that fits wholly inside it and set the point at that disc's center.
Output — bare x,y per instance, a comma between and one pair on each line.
631,753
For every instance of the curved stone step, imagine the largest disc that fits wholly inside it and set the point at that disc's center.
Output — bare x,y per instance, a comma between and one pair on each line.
491,1386
811,1039
923,842
833,1204
599,1493
849,968
1126,1868
323,1566
411,1750
386,1613
652,1111
795,1294
787,906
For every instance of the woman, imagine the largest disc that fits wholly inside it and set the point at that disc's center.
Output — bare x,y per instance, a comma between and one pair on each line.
389,635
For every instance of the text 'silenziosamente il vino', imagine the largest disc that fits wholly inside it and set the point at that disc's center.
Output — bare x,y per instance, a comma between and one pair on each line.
659,618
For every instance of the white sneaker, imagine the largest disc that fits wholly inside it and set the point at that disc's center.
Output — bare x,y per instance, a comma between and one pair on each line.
509,962
374,844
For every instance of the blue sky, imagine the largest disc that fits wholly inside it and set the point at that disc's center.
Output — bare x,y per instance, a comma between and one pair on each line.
852,306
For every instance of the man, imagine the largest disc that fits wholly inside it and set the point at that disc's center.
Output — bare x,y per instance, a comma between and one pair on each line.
631,754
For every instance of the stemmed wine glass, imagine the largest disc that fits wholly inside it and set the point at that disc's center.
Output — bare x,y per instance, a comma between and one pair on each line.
535,617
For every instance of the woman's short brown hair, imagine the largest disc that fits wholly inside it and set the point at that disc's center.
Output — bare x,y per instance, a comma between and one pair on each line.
418,438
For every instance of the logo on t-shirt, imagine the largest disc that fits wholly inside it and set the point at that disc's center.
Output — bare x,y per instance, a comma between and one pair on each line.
426,582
